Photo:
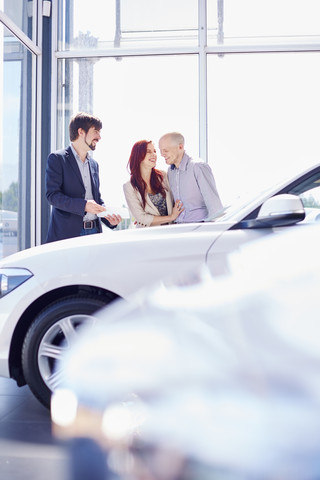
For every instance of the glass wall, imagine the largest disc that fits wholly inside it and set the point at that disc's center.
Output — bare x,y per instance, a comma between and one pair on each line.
23,14
136,98
239,78
264,22
127,23
263,118
17,124
137,90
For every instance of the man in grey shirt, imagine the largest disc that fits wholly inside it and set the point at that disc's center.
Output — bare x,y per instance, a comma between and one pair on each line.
191,181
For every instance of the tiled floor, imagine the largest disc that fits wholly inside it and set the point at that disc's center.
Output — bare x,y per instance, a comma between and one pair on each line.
27,449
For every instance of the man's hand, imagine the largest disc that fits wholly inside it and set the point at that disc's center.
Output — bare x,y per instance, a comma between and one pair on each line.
93,207
113,219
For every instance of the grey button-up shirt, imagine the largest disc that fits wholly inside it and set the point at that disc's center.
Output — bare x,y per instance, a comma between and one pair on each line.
193,183
86,178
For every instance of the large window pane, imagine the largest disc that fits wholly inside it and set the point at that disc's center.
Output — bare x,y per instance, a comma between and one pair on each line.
136,98
127,23
23,14
264,21
16,92
263,116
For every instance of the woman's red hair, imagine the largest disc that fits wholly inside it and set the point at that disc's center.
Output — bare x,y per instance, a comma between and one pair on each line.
138,153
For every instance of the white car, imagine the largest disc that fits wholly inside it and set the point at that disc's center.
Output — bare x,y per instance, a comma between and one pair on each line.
46,292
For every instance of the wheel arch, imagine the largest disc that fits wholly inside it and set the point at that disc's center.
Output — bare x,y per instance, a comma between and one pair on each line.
26,319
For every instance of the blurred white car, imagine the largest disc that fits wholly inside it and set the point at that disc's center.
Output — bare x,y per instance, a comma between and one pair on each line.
46,292
217,378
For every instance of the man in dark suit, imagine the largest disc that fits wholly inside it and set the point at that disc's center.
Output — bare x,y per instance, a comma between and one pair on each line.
73,186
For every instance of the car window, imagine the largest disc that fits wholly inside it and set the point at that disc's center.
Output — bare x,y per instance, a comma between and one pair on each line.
311,198
311,203
242,204
309,192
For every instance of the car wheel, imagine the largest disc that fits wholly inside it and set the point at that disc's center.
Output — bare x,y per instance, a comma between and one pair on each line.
49,335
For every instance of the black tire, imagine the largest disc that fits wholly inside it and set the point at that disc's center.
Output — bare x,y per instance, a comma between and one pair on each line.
49,335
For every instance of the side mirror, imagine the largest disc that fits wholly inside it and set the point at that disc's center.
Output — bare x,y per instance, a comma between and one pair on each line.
278,211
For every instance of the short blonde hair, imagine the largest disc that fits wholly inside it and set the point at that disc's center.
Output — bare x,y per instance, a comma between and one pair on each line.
175,137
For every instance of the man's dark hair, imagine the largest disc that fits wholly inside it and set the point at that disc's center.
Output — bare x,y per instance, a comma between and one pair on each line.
84,121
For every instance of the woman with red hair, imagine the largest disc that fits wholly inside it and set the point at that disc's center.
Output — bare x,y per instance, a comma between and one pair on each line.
148,194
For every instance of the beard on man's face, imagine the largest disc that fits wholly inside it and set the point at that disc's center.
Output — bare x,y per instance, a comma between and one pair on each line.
91,145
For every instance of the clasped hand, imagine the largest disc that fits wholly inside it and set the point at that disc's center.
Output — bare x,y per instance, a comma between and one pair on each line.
177,209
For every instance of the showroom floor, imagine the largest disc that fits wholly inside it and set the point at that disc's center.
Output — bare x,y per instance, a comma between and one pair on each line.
27,448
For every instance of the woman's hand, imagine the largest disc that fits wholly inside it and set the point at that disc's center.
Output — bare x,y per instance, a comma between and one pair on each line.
177,209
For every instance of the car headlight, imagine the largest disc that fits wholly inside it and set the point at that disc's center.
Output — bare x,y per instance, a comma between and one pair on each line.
11,278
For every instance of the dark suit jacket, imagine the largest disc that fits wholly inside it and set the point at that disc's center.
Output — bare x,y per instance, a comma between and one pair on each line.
65,191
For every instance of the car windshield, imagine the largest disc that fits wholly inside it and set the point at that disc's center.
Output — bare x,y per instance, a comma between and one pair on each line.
306,186
241,204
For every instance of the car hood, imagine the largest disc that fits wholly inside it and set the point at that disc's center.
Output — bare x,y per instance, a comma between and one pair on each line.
82,246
